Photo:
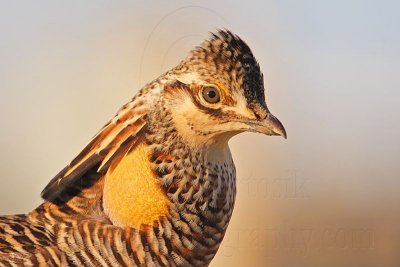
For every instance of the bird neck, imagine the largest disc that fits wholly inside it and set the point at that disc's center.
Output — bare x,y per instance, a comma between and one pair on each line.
199,177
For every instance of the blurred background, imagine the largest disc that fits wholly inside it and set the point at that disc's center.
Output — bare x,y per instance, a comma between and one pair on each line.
326,196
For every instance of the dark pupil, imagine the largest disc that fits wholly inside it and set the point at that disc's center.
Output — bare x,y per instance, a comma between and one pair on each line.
211,94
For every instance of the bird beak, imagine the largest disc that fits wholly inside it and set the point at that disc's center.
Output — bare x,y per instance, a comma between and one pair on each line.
270,125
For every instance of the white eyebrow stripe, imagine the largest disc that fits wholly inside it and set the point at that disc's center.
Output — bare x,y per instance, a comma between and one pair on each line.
241,107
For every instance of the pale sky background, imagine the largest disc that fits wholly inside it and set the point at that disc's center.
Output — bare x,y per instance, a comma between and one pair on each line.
327,196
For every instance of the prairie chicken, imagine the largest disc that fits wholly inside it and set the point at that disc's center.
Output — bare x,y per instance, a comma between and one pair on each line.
156,185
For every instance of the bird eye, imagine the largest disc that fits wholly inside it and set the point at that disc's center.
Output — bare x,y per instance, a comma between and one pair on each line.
211,94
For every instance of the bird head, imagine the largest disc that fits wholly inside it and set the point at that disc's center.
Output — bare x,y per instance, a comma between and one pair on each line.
219,92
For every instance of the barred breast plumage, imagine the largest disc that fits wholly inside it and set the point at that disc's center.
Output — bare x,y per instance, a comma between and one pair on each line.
156,186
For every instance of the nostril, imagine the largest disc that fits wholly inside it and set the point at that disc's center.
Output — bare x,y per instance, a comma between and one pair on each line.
260,114
259,111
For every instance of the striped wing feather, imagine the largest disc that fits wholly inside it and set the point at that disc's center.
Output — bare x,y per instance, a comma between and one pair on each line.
113,141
